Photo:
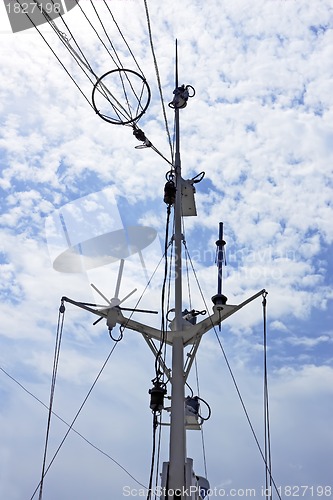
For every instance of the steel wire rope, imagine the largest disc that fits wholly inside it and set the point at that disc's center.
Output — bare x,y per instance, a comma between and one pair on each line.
121,34
98,375
60,328
119,63
127,45
154,421
234,379
158,357
104,89
67,424
195,359
158,77
151,146
54,26
167,273
164,357
267,438
76,415
164,361
187,269
104,364
85,59
77,58
56,56
155,425
72,51
158,457
63,38
202,431
165,277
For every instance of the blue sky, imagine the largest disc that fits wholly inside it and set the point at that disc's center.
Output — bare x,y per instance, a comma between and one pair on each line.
260,126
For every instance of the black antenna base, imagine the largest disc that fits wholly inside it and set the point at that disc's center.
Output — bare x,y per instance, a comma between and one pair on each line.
219,299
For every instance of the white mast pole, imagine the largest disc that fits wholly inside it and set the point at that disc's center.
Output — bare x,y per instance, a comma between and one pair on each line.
176,476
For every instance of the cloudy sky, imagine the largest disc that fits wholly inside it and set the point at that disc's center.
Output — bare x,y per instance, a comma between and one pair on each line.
260,127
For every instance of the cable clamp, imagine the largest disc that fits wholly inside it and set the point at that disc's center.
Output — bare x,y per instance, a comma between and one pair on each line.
140,136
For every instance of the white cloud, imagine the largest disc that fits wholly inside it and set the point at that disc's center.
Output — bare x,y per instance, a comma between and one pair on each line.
260,127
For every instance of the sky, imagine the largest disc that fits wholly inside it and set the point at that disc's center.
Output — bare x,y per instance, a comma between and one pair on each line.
260,127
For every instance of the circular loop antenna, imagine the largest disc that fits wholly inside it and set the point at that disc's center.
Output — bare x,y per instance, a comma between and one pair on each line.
118,94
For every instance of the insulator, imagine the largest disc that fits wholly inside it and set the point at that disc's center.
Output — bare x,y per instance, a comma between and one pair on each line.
157,394
139,134
169,193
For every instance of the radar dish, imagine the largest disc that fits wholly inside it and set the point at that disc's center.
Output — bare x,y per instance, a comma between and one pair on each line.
121,96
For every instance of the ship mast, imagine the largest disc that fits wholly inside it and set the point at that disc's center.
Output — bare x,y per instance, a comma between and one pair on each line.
176,476
178,480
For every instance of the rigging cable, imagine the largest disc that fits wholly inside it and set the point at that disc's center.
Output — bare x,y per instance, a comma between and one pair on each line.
119,63
159,375
67,424
63,38
234,381
195,359
57,57
158,457
187,271
158,77
165,277
202,432
164,361
75,418
155,425
70,426
60,328
81,60
79,57
121,34
268,457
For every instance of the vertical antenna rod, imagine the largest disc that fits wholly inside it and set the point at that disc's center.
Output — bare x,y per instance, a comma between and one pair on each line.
220,257
176,476
219,299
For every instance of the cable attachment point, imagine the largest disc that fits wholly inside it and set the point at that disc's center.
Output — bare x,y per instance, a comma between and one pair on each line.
198,178
191,316
181,94
121,329
157,394
140,136
62,307
264,295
